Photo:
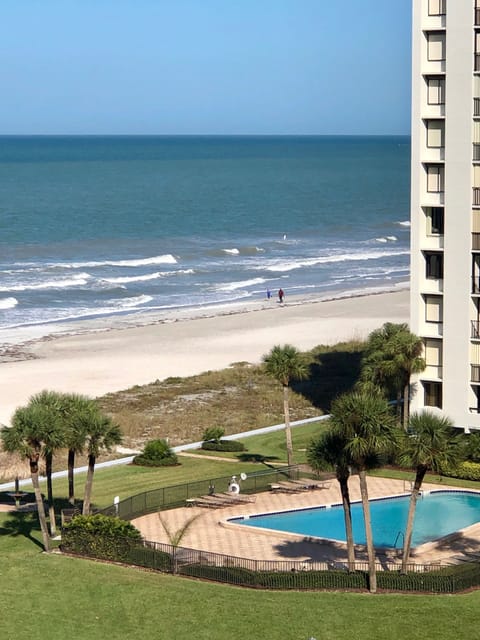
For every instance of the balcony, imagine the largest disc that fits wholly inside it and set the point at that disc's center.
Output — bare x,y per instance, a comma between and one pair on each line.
476,152
476,107
476,284
434,371
475,372
475,241
476,196
477,17
475,329
476,62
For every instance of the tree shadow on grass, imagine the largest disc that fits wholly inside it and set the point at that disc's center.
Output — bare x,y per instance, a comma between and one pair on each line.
255,457
331,374
22,523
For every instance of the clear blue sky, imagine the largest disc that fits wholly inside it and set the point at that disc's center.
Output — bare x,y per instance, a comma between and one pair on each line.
205,66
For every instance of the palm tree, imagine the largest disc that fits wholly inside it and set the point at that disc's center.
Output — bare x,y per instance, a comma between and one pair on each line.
285,364
175,537
364,421
78,408
430,445
101,435
23,438
328,451
51,427
392,355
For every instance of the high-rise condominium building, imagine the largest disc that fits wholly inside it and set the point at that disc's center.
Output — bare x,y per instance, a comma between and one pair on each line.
445,202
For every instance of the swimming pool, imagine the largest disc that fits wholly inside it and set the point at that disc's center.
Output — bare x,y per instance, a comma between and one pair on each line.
438,514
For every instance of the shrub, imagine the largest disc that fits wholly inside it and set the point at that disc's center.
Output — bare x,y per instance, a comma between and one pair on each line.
100,536
465,471
156,453
213,434
223,445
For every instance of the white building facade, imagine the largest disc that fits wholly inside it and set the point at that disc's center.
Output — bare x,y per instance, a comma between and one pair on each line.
445,206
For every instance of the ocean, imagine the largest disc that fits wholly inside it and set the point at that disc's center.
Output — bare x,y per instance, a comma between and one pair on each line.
129,226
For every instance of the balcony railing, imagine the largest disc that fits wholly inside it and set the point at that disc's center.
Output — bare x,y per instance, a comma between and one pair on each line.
476,107
476,196
475,241
475,284
475,329
475,372
476,152
474,409
477,16
476,62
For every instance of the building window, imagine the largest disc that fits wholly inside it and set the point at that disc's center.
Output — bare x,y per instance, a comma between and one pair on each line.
435,221
435,174
434,266
436,7
433,309
432,394
435,133
435,47
436,90
433,357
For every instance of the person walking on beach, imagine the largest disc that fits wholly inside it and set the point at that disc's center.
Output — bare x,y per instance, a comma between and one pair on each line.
269,294
281,295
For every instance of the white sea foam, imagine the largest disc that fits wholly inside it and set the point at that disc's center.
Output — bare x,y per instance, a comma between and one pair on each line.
381,240
281,267
232,286
392,238
147,276
8,303
232,252
141,262
60,283
404,223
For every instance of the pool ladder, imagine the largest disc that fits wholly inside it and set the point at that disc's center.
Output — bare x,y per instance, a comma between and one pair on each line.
400,533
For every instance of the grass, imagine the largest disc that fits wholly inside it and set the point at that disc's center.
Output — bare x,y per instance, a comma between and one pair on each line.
271,447
92,600
399,474
61,596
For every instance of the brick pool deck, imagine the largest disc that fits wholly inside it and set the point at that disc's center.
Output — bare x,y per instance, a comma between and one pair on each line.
211,533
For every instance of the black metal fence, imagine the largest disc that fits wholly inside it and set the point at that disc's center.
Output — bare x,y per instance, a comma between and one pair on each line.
260,574
177,495
281,575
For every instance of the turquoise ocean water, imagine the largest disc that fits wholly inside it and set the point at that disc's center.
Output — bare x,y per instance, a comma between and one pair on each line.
100,226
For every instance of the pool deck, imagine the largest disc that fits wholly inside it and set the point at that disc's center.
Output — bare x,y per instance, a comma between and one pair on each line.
210,532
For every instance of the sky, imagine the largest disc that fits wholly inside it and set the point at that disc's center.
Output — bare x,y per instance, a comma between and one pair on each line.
205,67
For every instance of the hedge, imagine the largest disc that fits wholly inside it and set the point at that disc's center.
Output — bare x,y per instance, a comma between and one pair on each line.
223,445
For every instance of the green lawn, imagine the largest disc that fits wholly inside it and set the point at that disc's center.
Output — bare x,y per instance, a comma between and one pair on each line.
55,597
58,597
271,447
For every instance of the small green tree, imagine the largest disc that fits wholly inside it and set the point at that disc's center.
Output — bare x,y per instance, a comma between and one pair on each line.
366,425
156,453
285,364
327,452
176,537
213,434
392,355
429,445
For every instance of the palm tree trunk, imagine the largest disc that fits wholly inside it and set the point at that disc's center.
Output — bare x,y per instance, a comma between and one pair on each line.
71,468
407,542
51,507
399,406
406,405
288,431
88,485
39,500
372,574
347,512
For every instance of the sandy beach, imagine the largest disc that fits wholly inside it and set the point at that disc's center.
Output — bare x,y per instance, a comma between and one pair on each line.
99,360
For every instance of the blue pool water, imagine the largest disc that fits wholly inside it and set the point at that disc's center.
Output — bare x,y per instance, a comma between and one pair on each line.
438,514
